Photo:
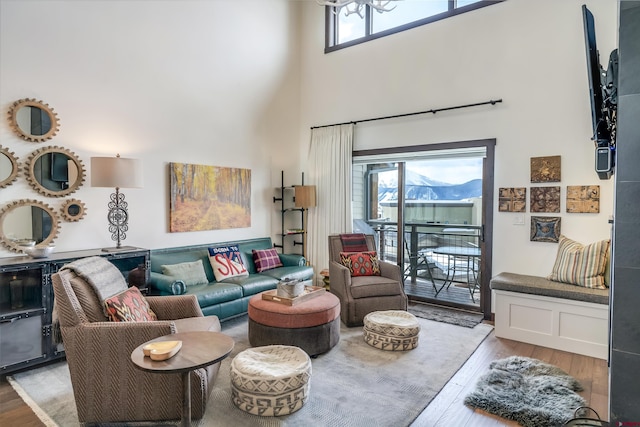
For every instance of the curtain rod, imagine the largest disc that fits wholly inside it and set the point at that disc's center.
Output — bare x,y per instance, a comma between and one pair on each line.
492,102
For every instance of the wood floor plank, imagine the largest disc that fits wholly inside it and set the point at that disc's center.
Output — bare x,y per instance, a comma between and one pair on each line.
13,410
562,360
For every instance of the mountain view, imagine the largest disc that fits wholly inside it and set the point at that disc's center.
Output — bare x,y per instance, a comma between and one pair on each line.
421,187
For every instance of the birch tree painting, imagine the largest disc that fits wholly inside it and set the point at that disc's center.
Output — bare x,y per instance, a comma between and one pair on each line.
208,197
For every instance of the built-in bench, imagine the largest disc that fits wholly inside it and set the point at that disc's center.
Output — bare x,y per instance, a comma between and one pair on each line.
558,315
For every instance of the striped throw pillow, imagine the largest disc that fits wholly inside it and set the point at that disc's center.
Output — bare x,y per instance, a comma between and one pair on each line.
582,265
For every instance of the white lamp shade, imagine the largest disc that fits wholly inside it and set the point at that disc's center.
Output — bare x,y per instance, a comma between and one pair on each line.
116,172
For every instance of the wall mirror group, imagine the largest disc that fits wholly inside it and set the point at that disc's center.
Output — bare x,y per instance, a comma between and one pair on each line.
52,171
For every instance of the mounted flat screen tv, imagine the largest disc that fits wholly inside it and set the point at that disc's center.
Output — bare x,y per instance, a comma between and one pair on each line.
603,98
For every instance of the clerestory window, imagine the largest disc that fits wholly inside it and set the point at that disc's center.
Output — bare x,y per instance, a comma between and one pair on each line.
346,26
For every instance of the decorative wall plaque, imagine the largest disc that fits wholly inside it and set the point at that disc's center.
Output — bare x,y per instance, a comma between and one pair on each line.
583,198
545,169
512,199
545,229
545,199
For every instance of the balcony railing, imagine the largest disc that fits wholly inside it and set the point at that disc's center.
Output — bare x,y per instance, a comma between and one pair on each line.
422,239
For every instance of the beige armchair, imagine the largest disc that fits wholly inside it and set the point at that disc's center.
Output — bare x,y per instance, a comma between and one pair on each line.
106,385
363,294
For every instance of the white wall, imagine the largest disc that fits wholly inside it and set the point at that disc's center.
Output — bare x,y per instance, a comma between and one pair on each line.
204,82
529,53
208,82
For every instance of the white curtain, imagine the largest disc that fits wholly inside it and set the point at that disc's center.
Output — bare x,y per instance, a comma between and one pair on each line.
330,156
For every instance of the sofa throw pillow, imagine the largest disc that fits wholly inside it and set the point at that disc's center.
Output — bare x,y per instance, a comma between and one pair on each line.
361,263
226,262
266,259
191,273
582,265
129,306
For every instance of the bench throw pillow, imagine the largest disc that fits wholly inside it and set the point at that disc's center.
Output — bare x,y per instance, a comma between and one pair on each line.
266,259
361,263
191,273
226,262
582,265
129,306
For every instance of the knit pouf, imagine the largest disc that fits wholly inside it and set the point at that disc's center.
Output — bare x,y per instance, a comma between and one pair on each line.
271,380
393,330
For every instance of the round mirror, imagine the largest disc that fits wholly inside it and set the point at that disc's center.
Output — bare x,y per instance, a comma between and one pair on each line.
54,171
27,222
73,210
8,167
33,120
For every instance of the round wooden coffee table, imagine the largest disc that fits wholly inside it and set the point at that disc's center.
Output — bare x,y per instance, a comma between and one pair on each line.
199,349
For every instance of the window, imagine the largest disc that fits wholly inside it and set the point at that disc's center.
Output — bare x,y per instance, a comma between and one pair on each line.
345,28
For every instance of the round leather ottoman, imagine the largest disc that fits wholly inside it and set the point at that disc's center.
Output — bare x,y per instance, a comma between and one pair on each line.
312,325
394,330
270,381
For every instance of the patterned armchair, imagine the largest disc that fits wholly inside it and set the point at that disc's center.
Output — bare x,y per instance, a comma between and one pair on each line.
107,386
361,295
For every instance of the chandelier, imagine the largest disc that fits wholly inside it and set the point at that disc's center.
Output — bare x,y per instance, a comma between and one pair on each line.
357,6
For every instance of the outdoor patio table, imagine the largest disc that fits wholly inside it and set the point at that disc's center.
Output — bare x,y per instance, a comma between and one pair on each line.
469,254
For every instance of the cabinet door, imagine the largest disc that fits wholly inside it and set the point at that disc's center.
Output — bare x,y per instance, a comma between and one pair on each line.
21,289
129,261
23,315
22,340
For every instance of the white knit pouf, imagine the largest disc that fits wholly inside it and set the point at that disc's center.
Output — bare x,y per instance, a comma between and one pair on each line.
271,380
394,330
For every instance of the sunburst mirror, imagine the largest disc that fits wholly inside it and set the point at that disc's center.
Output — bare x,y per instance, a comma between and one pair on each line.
27,222
73,210
8,167
54,171
33,120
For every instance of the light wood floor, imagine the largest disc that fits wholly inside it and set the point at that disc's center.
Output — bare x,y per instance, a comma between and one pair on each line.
447,408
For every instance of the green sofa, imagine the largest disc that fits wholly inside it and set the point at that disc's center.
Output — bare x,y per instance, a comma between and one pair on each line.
231,297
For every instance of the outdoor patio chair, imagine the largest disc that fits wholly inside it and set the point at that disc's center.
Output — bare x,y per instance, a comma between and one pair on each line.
419,263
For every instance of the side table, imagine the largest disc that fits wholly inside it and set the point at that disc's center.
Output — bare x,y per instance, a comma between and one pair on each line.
199,349
325,278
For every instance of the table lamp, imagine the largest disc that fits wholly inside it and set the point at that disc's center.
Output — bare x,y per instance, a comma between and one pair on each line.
117,172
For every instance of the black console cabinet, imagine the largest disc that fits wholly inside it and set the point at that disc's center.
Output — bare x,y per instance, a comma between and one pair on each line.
26,302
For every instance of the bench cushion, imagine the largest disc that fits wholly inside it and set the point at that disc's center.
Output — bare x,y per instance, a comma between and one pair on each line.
536,285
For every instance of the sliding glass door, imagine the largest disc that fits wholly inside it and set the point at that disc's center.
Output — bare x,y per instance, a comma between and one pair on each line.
426,210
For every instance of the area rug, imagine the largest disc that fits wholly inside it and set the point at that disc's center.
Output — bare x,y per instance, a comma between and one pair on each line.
531,392
444,314
352,385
